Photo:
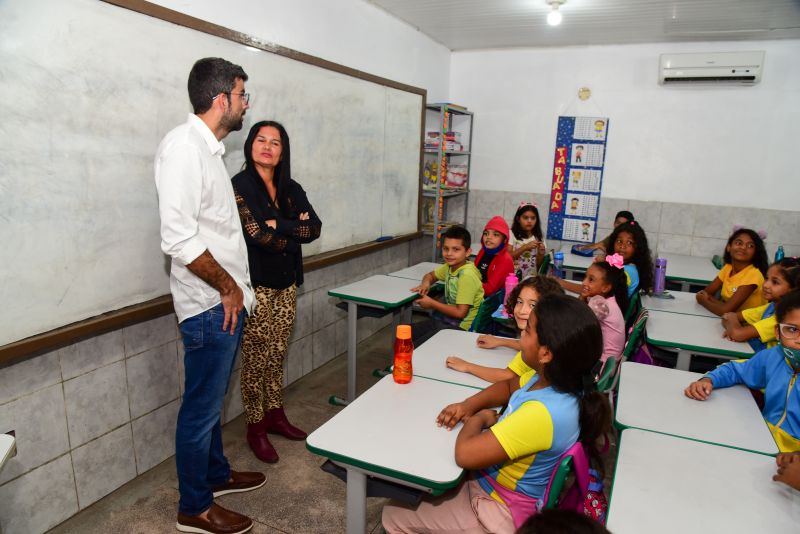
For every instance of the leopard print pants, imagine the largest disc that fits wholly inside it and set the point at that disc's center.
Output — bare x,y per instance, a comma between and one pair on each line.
266,338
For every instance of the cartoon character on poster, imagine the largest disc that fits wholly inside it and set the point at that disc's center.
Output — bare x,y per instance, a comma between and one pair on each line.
599,129
573,206
585,231
578,156
576,178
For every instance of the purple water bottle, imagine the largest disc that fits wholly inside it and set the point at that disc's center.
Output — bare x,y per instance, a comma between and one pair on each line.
661,276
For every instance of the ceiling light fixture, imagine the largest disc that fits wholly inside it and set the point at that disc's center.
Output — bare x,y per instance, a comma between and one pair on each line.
554,17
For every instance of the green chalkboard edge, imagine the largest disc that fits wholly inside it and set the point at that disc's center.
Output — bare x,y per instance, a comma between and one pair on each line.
114,320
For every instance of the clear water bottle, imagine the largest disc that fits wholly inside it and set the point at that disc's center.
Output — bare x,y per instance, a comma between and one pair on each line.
779,254
558,264
661,276
403,349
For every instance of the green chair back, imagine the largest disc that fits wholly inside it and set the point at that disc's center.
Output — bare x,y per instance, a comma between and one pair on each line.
636,332
559,479
717,261
545,264
483,322
609,374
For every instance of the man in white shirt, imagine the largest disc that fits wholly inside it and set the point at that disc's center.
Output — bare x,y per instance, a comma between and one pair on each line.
210,284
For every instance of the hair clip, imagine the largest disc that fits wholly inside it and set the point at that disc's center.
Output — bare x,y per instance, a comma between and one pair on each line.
736,228
632,223
615,260
762,234
526,203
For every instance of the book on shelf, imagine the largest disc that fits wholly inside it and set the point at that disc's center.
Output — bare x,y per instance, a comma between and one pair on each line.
450,105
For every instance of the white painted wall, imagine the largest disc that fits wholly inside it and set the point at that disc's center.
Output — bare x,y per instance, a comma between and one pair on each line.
731,145
353,33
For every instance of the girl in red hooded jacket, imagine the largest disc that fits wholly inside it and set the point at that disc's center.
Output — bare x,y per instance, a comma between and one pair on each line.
494,261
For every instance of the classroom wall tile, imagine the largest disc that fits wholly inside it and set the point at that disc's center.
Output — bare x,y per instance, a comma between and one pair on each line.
609,207
341,336
676,244
647,213
154,436
303,350
148,334
90,354
324,310
676,219
318,278
785,227
152,378
323,345
707,247
40,499
232,406
293,363
41,430
103,465
96,403
490,203
758,220
715,221
304,320
29,375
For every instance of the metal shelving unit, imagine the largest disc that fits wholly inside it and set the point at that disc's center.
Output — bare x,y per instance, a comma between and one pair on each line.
445,204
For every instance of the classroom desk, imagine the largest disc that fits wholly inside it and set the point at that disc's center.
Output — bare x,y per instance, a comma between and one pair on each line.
8,446
651,398
689,270
667,485
692,334
682,302
575,263
378,291
429,358
390,432
416,272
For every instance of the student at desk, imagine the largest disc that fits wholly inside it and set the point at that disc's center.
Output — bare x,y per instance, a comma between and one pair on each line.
775,370
463,290
549,409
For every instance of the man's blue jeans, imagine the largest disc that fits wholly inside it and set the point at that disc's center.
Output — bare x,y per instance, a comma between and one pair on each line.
209,355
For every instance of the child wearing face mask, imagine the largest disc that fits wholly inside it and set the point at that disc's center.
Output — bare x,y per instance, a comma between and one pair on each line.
494,261
775,370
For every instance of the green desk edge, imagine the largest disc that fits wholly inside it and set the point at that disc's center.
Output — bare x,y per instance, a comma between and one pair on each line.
378,303
700,350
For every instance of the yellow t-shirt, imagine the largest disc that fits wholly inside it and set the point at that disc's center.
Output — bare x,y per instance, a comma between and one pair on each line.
462,286
518,365
765,326
746,277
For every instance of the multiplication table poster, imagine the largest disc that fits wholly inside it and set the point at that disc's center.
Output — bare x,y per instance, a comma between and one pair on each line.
577,178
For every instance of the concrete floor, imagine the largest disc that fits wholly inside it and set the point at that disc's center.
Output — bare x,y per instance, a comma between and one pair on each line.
298,497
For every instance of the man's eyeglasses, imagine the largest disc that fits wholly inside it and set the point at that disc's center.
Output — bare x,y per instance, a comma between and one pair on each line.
789,331
244,96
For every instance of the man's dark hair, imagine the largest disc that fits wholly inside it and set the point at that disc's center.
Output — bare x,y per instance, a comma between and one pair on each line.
209,77
458,232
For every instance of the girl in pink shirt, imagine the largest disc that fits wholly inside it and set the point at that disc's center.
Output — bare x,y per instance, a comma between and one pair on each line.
604,289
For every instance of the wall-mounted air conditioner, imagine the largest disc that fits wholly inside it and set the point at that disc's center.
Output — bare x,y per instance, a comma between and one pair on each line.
713,67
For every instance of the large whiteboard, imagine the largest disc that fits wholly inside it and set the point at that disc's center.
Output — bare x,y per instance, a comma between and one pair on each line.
89,89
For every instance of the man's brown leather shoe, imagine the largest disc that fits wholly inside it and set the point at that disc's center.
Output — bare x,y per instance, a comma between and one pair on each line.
241,481
219,521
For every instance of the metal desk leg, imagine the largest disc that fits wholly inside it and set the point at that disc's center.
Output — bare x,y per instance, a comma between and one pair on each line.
684,359
356,502
352,341
406,314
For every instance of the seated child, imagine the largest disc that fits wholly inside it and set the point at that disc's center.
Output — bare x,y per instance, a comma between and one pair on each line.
604,290
606,245
757,325
519,305
775,370
512,456
463,292
740,279
526,242
493,261
629,241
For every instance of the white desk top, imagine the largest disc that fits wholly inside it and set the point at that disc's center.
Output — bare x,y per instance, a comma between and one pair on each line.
416,272
683,268
651,398
429,358
7,444
669,485
391,430
576,262
683,302
378,290
693,333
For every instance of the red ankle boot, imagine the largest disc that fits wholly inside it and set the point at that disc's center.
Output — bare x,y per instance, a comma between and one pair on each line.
259,444
276,423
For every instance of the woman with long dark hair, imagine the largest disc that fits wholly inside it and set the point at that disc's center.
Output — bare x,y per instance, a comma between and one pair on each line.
277,218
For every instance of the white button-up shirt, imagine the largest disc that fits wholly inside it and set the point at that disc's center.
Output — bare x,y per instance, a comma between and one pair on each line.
198,212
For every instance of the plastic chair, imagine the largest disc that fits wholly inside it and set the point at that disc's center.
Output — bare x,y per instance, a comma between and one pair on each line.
608,378
483,322
634,304
545,264
717,261
574,459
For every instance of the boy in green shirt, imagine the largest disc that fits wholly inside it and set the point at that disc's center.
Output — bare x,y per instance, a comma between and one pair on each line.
463,290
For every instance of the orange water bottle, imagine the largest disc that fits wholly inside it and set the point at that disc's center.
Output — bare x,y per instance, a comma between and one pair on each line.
403,348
